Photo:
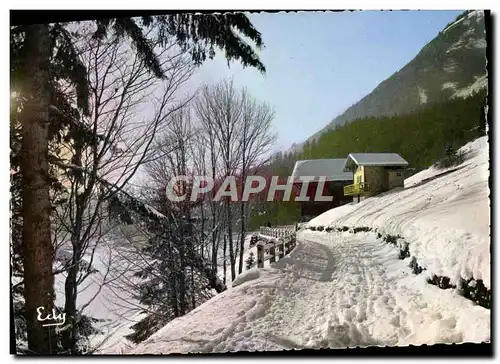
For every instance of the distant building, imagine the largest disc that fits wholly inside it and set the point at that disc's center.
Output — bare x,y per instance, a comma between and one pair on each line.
335,179
374,173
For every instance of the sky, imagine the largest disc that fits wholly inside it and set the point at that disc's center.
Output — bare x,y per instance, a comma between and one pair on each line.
320,63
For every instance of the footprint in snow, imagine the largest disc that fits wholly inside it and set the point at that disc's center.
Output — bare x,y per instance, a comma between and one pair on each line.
349,315
361,316
436,316
449,323
395,321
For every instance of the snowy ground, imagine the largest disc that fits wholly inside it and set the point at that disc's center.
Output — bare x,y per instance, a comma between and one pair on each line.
334,290
343,290
105,296
338,289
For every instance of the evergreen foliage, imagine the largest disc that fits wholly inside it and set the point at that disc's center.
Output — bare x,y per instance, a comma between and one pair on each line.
176,280
418,137
452,158
198,34
250,261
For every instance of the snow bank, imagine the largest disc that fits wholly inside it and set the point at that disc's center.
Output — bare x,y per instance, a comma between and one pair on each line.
253,274
396,306
247,276
207,326
443,214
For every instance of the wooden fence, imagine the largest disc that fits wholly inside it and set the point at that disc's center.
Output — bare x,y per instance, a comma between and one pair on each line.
273,244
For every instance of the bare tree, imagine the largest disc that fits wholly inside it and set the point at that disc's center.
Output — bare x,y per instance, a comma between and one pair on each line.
255,141
177,279
238,131
130,107
219,108
174,161
205,109
198,155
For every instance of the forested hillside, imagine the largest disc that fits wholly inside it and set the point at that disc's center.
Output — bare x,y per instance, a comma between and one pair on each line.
420,137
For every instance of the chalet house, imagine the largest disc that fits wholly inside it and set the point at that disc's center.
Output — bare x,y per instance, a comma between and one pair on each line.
374,173
332,171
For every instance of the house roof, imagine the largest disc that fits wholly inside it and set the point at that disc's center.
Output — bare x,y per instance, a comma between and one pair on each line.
375,159
332,169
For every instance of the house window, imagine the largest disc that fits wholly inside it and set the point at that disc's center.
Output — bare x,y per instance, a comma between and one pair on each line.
398,174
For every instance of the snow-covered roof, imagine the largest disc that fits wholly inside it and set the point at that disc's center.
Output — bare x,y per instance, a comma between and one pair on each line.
331,169
374,159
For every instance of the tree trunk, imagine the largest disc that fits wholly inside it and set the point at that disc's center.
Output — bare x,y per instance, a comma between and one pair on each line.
71,283
214,280
202,228
224,257
36,235
230,237
214,248
70,296
193,299
215,244
181,276
242,237
172,281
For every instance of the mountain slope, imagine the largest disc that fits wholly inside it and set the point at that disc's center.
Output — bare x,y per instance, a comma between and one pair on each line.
339,289
450,65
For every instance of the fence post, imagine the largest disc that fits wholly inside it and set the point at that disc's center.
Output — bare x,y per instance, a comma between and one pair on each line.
272,251
260,256
281,247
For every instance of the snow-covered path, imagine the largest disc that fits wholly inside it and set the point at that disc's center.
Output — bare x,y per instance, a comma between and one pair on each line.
350,290
334,290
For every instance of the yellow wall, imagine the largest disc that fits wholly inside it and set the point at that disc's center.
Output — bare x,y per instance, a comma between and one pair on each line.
359,175
378,179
